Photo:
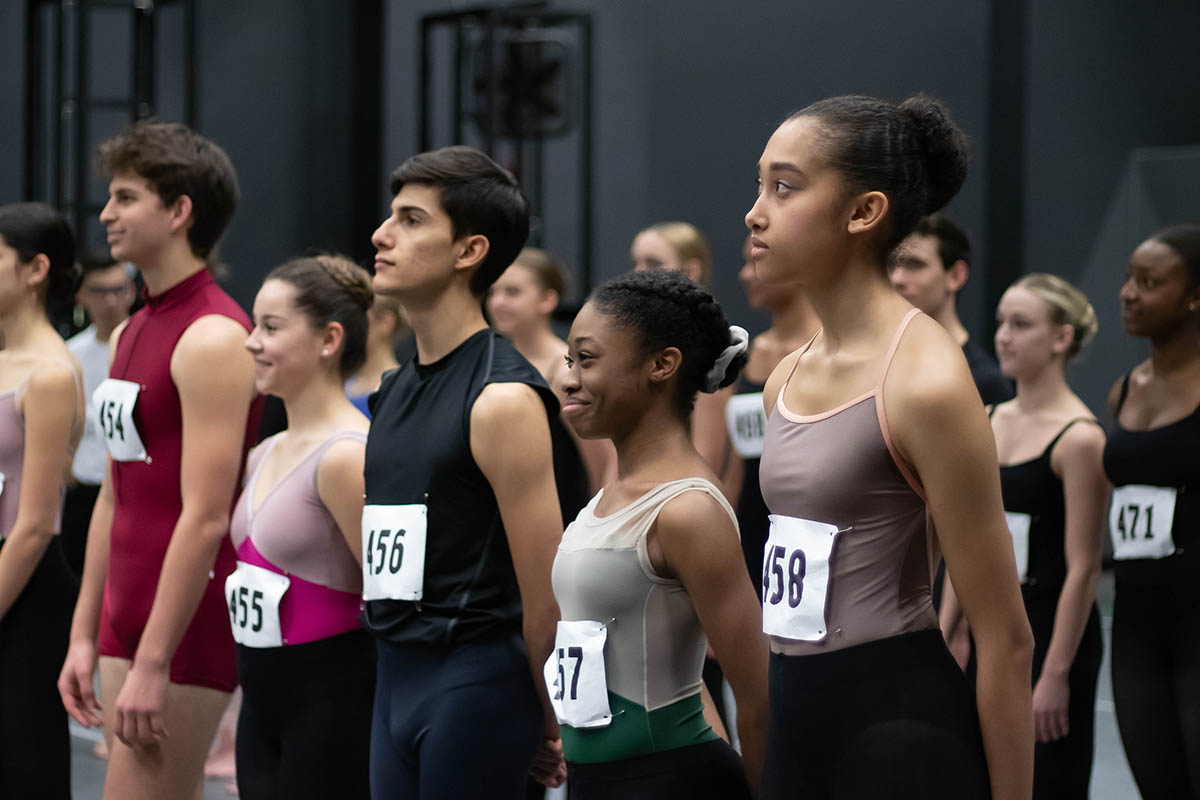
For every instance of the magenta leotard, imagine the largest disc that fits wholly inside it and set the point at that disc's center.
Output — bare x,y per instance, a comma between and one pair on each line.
148,497
291,532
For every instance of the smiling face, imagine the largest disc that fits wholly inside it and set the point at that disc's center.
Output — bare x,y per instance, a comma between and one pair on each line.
798,223
606,383
287,350
415,248
1027,338
517,302
139,225
1157,298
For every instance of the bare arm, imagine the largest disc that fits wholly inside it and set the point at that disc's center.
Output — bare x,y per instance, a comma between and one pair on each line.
708,428
340,486
1077,459
215,404
699,545
510,441
50,405
940,427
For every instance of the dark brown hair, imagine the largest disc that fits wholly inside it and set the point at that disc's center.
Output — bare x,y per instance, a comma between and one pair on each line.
332,288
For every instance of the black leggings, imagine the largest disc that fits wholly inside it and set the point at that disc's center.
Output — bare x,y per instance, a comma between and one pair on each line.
305,726
35,748
78,503
454,722
893,718
1156,686
707,771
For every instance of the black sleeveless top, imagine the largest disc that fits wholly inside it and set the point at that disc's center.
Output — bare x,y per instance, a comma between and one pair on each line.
1032,488
1166,456
419,451
751,508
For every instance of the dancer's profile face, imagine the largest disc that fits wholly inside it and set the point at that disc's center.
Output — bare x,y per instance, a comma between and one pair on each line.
517,302
798,222
415,248
605,384
287,350
1158,294
1027,339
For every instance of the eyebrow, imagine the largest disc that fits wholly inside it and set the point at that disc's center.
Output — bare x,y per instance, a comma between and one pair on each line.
785,166
579,339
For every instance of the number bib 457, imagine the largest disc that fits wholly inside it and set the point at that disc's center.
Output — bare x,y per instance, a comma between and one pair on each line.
796,578
393,544
114,400
1140,520
253,594
575,675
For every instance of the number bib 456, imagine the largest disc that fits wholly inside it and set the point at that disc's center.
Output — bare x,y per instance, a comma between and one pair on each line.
115,400
575,675
253,594
1140,520
796,578
393,543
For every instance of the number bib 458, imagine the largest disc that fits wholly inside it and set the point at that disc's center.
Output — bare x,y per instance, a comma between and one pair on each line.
115,400
575,675
796,578
1140,520
393,543
253,594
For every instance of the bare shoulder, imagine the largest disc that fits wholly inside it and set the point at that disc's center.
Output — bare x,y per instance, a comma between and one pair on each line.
212,335
1083,441
499,403
928,367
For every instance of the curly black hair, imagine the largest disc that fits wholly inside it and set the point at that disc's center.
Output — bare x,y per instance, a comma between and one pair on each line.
667,309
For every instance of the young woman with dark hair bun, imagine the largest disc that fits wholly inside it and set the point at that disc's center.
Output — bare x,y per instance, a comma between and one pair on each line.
1154,521
652,566
294,598
877,455
41,421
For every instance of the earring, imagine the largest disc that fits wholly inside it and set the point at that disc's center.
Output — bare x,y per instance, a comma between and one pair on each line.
78,316
325,352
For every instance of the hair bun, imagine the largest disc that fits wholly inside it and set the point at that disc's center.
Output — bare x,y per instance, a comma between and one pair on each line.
355,280
943,146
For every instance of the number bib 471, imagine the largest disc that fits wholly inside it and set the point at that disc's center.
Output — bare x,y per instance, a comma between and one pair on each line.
575,675
393,545
796,578
114,400
253,594
1018,529
1140,520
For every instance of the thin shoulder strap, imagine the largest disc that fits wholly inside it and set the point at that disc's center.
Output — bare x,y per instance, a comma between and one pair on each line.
1123,395
887,360
799,355
1066,428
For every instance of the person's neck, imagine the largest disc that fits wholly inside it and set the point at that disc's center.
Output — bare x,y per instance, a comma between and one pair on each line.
314,407
106,330
1176,353
23,324
853,304
795,321
1042,390
658,437
536,342
947,316
173,265
444,322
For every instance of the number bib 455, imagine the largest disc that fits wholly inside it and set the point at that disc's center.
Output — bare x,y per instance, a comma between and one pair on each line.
115,400
796,578
253,594
1140,520
393,543
575,675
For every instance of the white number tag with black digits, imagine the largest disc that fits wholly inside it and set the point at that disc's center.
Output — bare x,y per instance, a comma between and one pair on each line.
1140,520
114,401
393,542
1018,528
575,675
795,579
253,595
747,424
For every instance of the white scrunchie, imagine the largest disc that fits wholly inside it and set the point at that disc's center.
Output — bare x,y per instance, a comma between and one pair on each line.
741,341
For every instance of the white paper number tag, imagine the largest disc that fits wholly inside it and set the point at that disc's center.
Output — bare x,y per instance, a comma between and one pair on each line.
114,400
796,578
393,543
253,595
575,675
1018,528
747,424
1,483
1140,520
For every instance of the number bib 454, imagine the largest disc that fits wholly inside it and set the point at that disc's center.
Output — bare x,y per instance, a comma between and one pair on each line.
796,578
1140,520
253,594
393,544
575,675
114,400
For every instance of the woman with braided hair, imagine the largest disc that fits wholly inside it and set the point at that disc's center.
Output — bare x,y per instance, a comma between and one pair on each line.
877,454
306,666
652,566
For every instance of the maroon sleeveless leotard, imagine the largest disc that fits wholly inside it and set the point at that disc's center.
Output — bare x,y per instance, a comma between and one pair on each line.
147,495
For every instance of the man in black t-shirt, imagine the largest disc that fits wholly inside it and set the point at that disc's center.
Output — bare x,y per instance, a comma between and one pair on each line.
929,268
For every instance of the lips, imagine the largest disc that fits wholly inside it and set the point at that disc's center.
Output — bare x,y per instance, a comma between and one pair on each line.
757,247
572,406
